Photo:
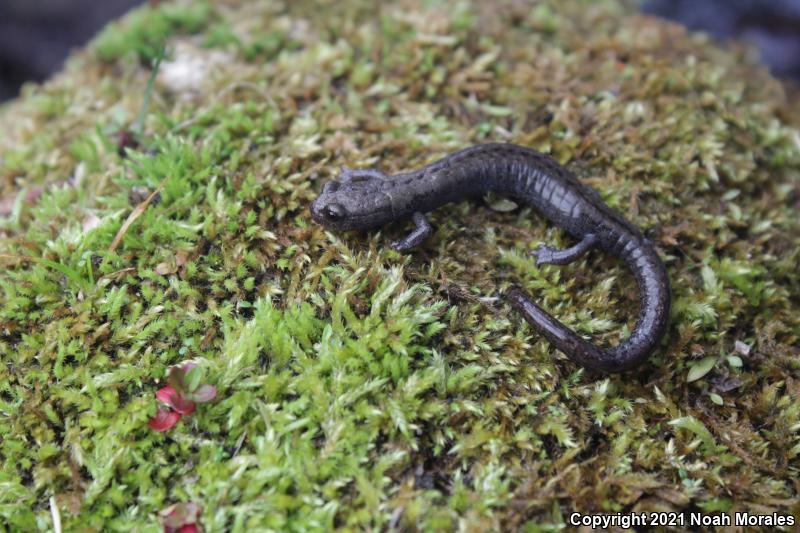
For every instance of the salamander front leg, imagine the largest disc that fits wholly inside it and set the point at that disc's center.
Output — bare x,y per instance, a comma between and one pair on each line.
422,230
553,256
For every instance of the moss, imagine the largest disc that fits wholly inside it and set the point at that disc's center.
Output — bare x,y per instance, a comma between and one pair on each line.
359,388
145,29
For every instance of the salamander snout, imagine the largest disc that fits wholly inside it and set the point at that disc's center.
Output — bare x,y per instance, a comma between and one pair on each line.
327,213
356,201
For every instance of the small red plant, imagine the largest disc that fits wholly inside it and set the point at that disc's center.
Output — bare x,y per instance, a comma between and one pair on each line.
125,138
164,419
181,518
181,396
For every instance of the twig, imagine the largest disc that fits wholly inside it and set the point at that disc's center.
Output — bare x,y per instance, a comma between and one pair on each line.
136,213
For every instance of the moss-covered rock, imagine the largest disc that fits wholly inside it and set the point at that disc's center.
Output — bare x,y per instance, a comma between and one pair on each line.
147,224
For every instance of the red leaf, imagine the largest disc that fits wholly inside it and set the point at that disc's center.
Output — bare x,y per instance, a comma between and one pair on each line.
165,394
204,393
171,397
164,419
189,528
184,406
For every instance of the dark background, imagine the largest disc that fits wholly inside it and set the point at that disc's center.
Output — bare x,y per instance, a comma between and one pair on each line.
36,35
772,25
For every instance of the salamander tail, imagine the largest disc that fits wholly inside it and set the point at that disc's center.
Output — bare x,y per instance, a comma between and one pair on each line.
654,303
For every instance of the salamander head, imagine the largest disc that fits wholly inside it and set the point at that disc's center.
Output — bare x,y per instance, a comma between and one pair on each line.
356,201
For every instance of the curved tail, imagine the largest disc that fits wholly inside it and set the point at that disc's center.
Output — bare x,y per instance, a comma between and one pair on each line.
654,302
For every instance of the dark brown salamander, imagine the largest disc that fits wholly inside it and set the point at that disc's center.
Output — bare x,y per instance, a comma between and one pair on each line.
369,198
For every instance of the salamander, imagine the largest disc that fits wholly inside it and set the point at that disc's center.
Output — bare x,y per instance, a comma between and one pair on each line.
368,198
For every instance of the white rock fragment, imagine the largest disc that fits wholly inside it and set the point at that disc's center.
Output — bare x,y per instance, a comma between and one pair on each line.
187,67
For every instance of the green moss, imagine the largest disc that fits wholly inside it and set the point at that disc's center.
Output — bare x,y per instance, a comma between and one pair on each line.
360,388
145,29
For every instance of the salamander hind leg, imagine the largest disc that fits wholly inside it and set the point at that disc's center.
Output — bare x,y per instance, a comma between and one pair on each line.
546,255
420,232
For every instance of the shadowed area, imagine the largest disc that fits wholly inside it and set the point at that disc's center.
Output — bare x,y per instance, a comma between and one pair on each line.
36,35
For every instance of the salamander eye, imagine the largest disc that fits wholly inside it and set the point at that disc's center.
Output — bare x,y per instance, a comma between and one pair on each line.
334,212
